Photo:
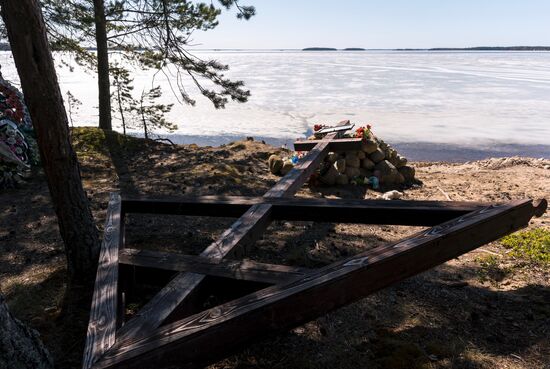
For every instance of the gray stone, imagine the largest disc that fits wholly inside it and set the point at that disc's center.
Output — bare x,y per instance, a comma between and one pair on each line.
352,160
369,146
361,155
352,172
367,164
377,156
408,173
401,161
388,173
342,179
329,178
385,167
275,163
287,167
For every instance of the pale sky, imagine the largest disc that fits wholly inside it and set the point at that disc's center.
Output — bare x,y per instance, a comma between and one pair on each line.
383,24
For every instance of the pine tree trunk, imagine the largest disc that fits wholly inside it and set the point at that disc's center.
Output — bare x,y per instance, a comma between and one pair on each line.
102,66
27,35
20,346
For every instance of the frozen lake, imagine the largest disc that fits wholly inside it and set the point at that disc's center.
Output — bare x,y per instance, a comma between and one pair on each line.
484,100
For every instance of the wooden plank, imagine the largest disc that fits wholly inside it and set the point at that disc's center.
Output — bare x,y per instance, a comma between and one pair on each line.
397,212
207,336
211,206
103,315
344,144
244,231
247,270
343,126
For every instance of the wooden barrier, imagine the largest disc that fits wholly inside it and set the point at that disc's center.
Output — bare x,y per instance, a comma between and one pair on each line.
157,337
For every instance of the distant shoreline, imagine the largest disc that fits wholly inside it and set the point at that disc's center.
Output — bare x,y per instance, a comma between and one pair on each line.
484,48
477,48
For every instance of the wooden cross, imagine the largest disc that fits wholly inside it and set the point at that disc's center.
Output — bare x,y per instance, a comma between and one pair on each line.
157,336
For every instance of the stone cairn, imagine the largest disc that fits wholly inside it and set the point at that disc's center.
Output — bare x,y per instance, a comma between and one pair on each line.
377,164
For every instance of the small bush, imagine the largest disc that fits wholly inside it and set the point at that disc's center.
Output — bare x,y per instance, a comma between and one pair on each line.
532,245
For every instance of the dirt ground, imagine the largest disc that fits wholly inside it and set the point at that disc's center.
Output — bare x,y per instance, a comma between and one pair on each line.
485,309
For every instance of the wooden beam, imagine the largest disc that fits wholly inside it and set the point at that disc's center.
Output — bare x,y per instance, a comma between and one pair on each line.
103,315
343,126
397,212
343,144
247,270
207,336
244,232
211,206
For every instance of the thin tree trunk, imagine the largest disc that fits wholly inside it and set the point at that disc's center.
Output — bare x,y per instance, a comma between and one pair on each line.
120,108
20,346
143,117
33,59
102,66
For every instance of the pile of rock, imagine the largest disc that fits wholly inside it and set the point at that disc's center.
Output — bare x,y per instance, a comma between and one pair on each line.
377,164
375,159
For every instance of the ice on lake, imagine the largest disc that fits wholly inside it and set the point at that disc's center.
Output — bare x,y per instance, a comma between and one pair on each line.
464,98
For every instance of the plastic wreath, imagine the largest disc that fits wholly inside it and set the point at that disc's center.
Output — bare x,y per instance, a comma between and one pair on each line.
18,149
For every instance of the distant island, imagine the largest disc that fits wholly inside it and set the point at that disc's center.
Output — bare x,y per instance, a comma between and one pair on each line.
333,49
319,49
484,48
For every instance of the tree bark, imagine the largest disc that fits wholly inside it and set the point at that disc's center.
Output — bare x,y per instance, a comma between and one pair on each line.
33,59
20,346
102,66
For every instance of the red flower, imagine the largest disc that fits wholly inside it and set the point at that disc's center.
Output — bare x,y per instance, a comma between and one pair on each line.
317,127
368,126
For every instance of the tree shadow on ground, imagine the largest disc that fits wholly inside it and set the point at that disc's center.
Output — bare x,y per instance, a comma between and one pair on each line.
427,321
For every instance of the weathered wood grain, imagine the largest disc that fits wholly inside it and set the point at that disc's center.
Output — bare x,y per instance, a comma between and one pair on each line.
397,212
103,314
207,336
247,270
244,231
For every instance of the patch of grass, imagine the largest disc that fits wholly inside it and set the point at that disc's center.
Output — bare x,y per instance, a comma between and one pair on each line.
491,269
532,245
94,142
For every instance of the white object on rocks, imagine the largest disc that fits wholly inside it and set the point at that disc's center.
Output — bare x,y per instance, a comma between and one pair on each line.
391,195
340,165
